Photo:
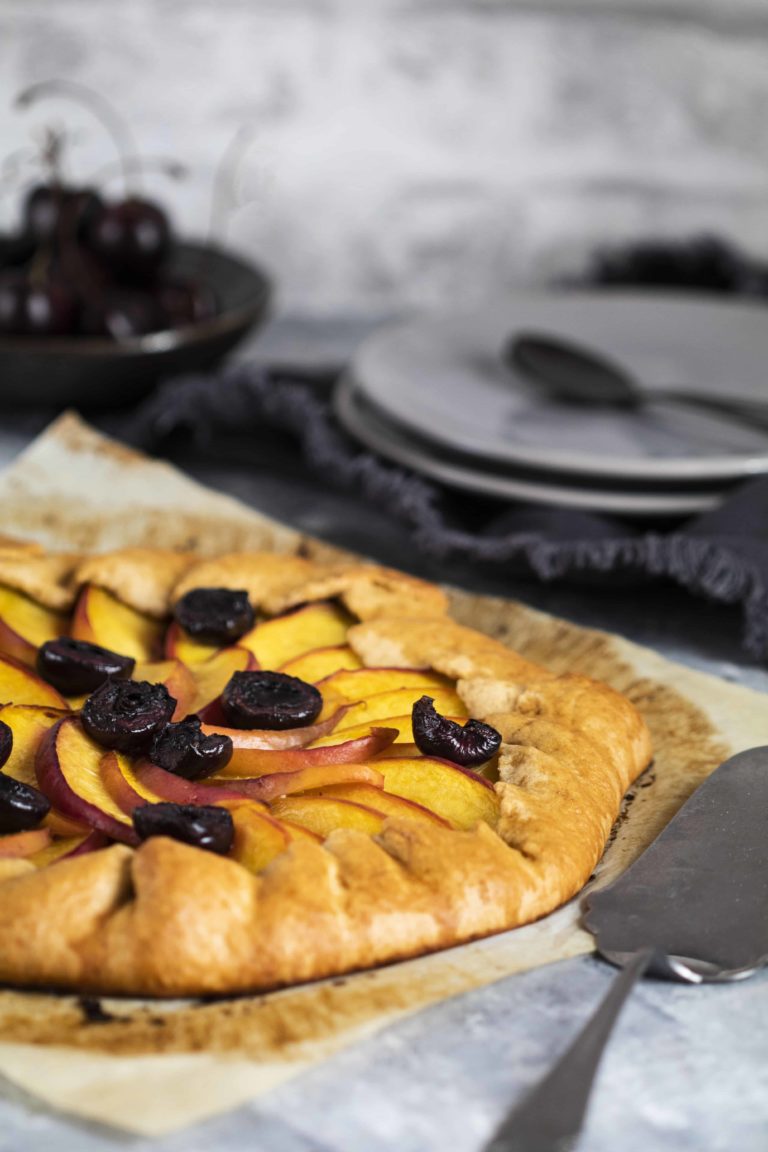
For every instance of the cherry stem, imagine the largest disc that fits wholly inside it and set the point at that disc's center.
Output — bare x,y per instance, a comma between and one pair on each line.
173,169
11,169
110,120
224,179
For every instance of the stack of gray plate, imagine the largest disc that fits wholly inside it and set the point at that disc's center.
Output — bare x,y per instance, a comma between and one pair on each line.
439,397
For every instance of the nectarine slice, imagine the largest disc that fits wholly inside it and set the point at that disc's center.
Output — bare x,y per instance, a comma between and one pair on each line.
177,678
29,723
20,685
399,703
179,646
20,844
255,761
400,724
322,662
123,785
68,768
103,619
258,837
386,802
212,676
458,795
324,814
56,850
365,682
298,832
275,784
25,625
246,740
151,779
275,642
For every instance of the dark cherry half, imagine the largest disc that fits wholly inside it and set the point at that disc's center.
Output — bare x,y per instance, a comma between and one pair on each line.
126,714
215,615
202,825
468,745
21,806
270,700
6,742
185,750
75,666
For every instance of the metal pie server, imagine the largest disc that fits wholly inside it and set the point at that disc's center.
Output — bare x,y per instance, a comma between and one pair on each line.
693,908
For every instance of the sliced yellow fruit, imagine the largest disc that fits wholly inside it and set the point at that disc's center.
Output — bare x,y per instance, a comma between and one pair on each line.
323,814
275,642
398,703
322,662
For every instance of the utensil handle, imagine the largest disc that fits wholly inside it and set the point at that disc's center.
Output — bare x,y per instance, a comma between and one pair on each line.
742,411
549,1118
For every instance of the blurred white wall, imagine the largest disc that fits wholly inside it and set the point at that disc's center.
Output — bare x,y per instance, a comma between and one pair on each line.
412,152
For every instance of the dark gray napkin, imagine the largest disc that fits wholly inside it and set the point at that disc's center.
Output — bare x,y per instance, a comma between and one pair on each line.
721,555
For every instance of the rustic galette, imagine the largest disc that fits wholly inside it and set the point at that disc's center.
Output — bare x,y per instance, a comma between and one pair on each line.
244,772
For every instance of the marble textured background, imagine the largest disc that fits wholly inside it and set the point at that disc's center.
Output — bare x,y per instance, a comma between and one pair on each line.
410,153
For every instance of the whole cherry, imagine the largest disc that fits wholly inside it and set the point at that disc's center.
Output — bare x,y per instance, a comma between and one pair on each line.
122,313
51,211
36,308
132,237
184,299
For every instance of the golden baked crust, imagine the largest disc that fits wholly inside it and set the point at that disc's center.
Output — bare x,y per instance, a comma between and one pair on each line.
49,579
168,919
143,578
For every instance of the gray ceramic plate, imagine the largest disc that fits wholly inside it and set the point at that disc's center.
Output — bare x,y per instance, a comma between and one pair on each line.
363,421
445,380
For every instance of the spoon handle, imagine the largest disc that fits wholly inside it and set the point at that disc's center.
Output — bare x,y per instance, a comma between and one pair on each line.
549,1119
742,411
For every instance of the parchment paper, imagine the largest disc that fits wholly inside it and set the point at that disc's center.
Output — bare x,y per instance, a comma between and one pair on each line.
151,1066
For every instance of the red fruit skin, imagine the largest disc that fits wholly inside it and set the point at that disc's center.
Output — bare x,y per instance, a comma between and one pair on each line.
64,799
92,841
262,762
177,790
264,738
123,793
275,784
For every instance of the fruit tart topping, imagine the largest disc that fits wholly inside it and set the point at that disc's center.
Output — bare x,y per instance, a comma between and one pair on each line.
215,615
21,806
126,714
6,742
271,700
468,745
76,666
203,826
187,751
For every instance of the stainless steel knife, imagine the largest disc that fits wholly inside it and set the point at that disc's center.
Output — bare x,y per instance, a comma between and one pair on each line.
692,908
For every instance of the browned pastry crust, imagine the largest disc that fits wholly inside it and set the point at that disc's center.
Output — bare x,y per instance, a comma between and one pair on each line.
50,579
143,578
168,919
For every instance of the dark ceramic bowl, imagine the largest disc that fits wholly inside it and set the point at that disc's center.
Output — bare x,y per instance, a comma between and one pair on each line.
91,372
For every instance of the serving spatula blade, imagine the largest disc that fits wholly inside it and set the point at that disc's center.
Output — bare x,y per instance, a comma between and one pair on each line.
700,891
692,908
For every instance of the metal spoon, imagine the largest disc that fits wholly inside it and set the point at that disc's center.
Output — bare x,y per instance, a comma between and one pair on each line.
569,371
